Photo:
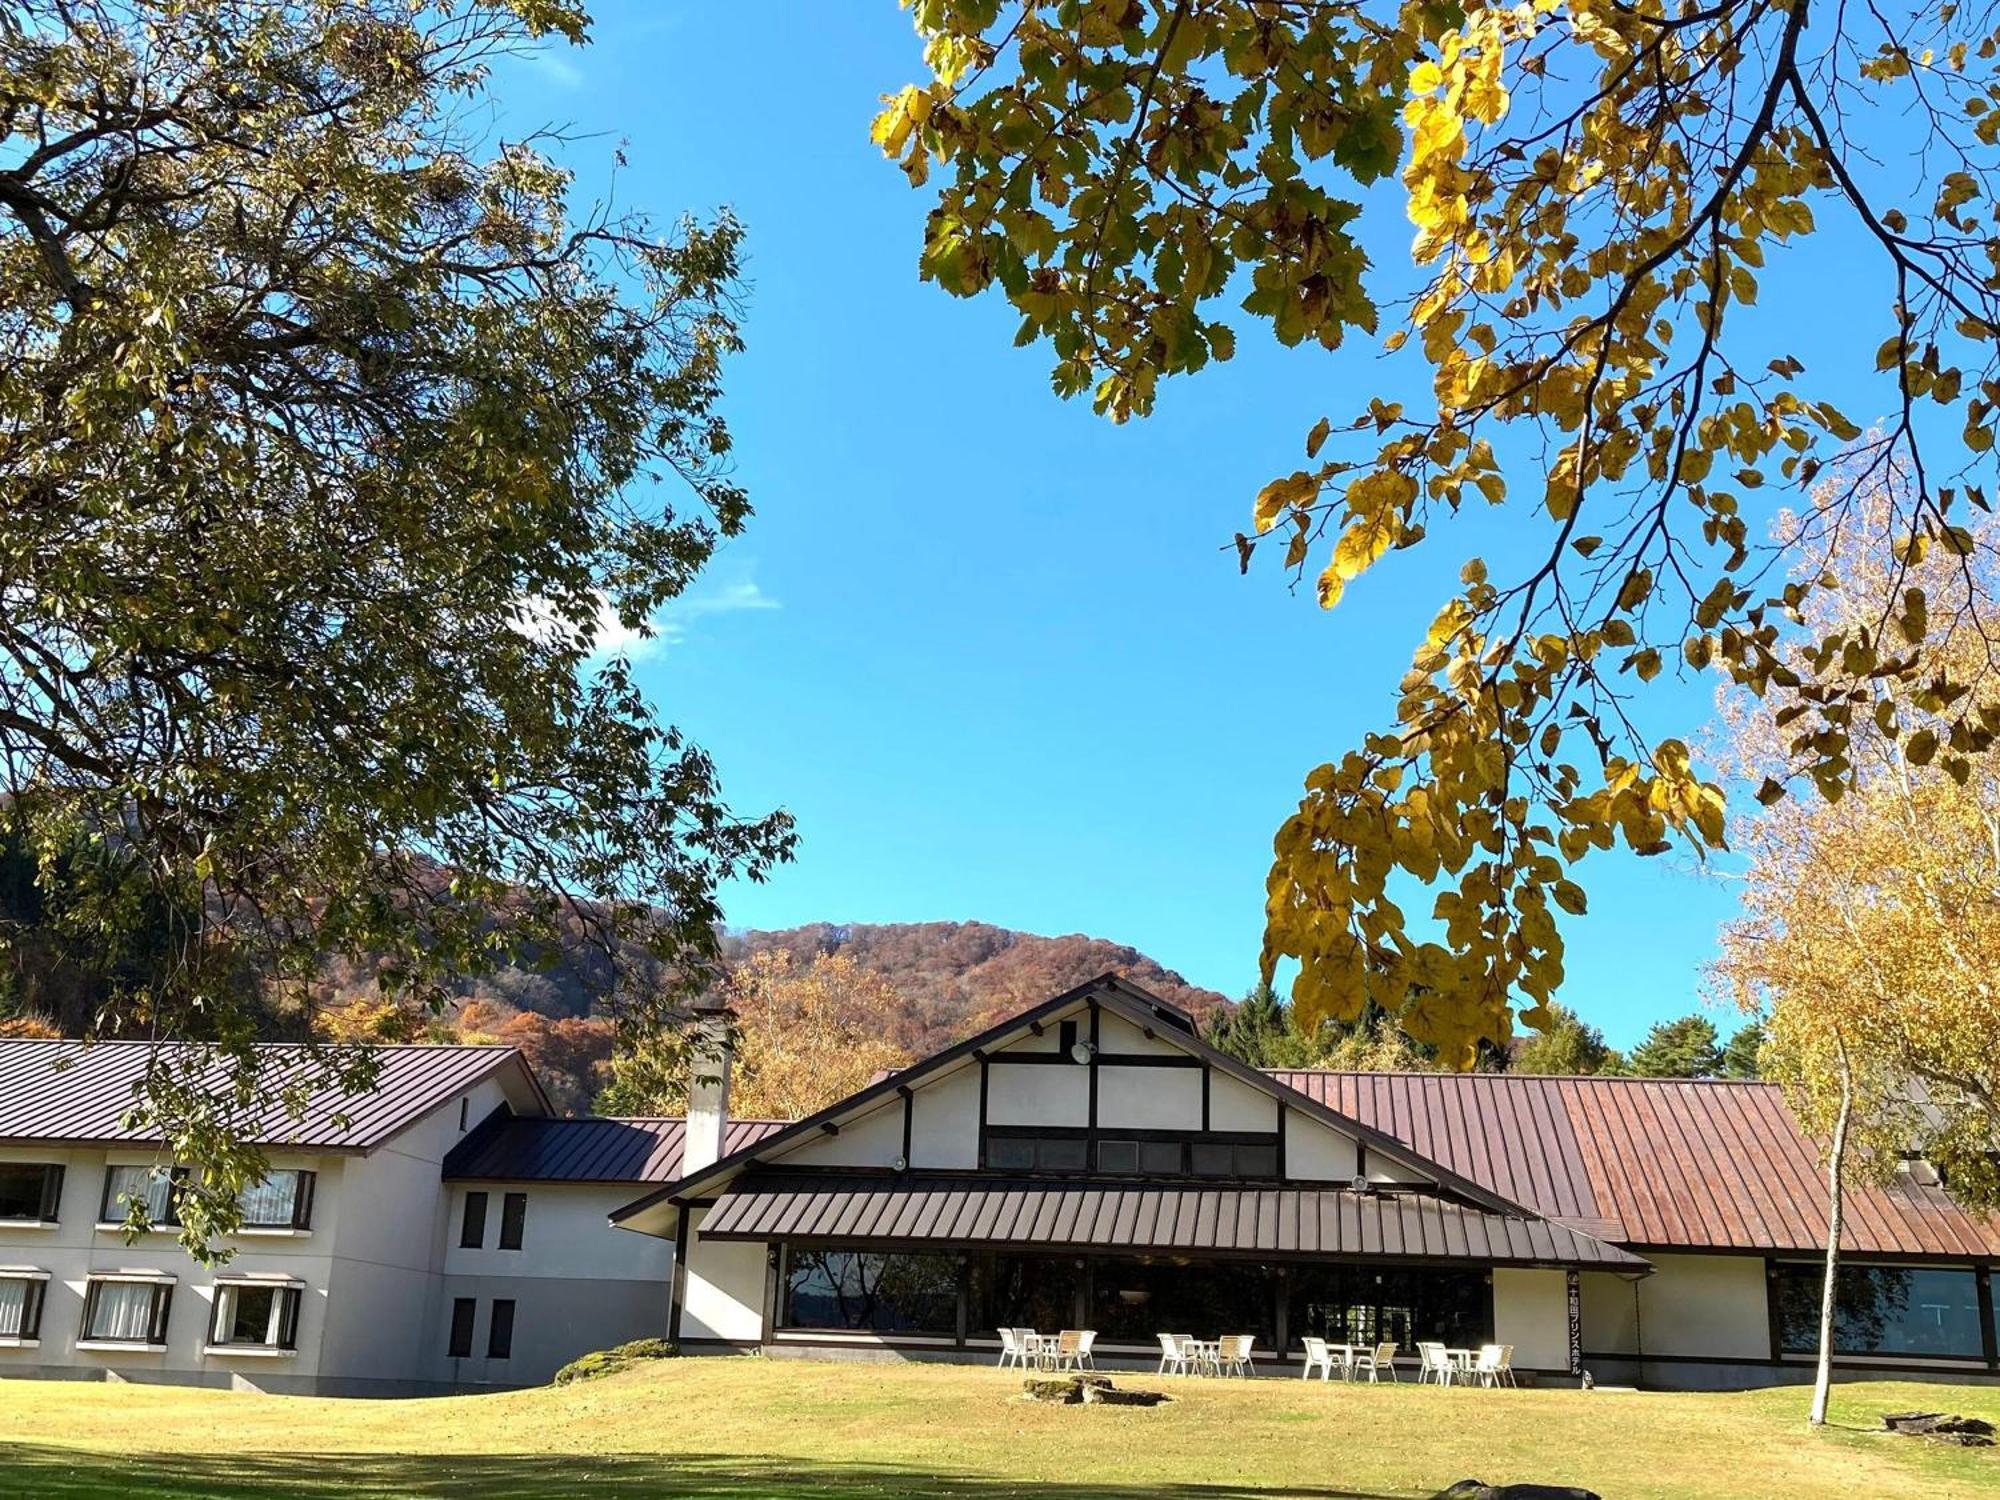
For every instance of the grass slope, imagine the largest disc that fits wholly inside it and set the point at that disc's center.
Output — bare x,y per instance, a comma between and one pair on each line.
738,1428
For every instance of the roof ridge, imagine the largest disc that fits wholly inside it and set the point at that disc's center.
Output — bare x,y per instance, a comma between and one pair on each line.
1502,1077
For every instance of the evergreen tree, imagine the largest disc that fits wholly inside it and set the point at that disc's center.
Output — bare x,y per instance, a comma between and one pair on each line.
1739,1058
1685,1047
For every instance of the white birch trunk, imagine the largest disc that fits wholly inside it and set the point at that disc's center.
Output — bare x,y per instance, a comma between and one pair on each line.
1836,1161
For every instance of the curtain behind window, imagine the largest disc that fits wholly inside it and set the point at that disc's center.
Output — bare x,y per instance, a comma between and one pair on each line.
122,1310
13,1308
275,1200
152,1186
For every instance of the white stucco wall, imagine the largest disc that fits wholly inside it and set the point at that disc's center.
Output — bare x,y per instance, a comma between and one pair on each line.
1531,1312
1316,1152
725,1288
1610,1313
1708,1305
944,1130
1149,1098
874,1139
1233,1105
1044,1095
1116,1035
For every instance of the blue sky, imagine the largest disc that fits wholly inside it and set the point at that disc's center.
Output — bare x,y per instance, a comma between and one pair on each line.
992,651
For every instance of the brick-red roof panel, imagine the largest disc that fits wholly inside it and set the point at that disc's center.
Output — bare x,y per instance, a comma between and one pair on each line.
1658,1163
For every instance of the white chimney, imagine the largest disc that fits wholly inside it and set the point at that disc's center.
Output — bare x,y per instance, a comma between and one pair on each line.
711,1059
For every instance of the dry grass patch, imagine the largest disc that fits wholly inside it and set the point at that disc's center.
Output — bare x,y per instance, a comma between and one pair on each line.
774,1428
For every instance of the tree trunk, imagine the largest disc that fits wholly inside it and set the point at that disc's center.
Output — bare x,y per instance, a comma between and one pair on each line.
1836,1161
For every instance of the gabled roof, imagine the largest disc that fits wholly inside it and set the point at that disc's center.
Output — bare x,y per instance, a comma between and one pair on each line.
508,1148
1135,1004
962,1210
73,1093
1660,1164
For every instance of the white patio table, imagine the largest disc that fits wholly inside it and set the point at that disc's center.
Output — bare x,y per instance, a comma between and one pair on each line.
1346,1354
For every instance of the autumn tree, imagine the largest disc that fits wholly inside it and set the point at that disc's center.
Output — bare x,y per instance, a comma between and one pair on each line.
807,1034
333,433
1870,932
1597,187
1569,1045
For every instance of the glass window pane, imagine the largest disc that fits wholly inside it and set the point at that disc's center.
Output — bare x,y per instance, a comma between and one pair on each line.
248,1314
1010,1153
1117,1156
13,1309
1136,1299
152,1186
270,1204
121,1310
861,1289
1160,1158
21,1191
1883,1310
1363,1305
1063,1154
1212,1160
1022,1291
1256,1161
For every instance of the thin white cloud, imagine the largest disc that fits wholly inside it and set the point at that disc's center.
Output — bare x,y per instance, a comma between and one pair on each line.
735,594
557,69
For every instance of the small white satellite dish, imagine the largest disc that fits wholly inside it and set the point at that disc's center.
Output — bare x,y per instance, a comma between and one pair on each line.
1082,1052
901,1164
1359,1183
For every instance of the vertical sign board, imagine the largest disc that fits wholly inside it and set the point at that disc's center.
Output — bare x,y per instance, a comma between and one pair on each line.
1575,1323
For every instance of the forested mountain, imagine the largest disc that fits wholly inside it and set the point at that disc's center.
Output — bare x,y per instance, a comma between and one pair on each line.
958,977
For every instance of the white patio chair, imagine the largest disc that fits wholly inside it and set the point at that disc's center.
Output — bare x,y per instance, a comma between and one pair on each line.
1318,1357
1375,1361
1080,1356
1012,1349
1067,1353
1433,1364
1232,1354
1507,1365
1486,1366
1174,1354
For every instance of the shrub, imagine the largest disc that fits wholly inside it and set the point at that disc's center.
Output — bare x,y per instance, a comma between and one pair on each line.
602,1362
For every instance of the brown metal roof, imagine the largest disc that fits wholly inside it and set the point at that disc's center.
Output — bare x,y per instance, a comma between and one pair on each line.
1658,1163
75,1093
959,1210
512,1149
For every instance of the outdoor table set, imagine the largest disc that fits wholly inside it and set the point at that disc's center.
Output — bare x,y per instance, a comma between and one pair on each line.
1068,1350
1183,1354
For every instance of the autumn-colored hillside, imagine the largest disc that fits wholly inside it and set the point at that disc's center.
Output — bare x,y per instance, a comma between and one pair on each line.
951,979
958,977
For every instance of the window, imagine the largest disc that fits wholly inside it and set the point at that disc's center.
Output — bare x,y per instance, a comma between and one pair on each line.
283,1200
1194,1155
862,1289
21,1306
127,1312
1023,1291
1359,1304
1029,1153
30,1191
259,1315
151,1186
1234,1159
1134,1300
472,1230
1922,1311
500,1332
462,1310
513,1219
463,1106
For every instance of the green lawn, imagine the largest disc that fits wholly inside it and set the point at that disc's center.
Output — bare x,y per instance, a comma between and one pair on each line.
743,1428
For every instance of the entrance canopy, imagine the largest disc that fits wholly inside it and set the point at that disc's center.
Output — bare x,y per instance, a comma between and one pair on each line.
944,1210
